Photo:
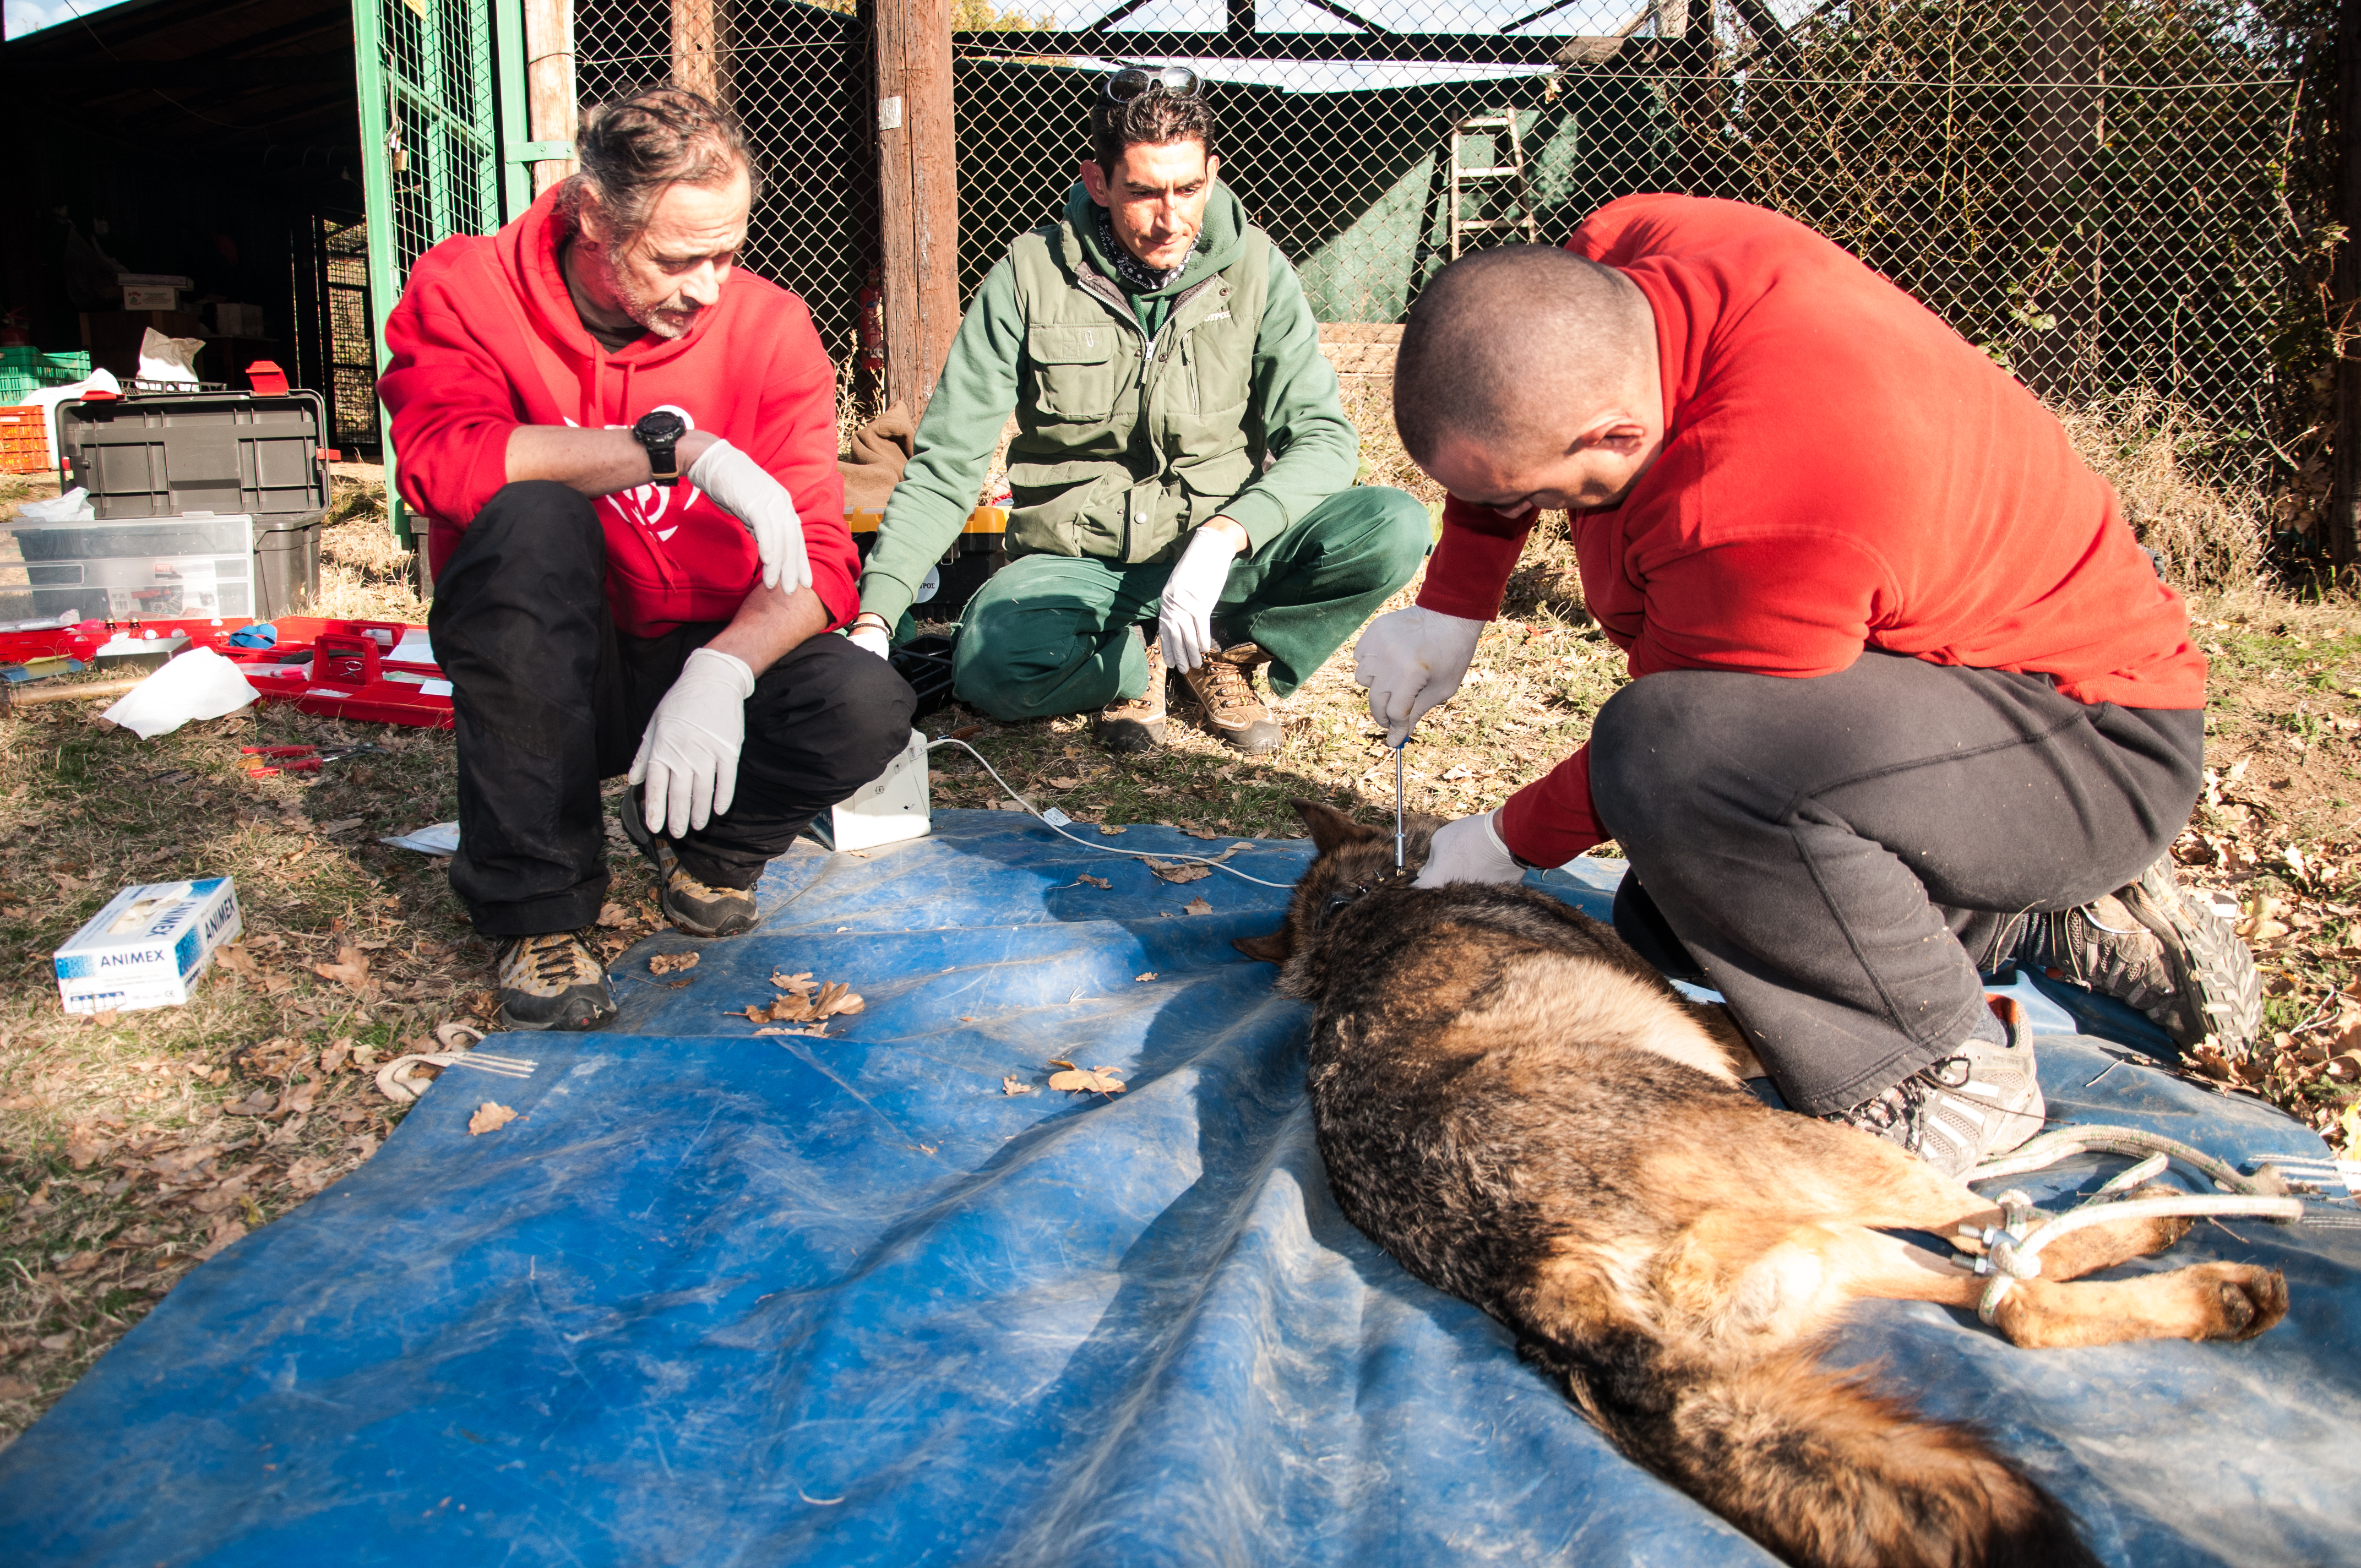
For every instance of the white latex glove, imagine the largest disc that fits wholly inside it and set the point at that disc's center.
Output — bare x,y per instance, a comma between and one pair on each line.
1468,850
688,758
870,637
1411,660
1186,626
740,485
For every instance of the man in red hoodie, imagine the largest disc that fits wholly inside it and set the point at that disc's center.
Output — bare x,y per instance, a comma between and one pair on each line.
1910,700
628,452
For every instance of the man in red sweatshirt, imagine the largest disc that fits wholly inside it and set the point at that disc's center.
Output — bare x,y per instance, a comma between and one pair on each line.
1910,700
628,452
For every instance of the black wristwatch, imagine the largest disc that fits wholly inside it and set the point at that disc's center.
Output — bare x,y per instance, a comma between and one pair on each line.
660,433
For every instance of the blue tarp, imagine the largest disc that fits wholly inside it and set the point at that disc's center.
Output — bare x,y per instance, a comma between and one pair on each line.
722,1299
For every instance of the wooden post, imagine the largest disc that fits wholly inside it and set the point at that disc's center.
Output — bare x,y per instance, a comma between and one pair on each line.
2061,143
917,193
549,83
697,27
2344,521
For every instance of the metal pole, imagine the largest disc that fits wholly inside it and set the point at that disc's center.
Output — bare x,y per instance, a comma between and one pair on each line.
2343,524
377,205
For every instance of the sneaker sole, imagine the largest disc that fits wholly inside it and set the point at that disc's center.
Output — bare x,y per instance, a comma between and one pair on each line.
510,1022
2212,972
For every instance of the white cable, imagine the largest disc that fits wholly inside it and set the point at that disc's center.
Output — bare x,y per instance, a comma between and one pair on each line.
1085,843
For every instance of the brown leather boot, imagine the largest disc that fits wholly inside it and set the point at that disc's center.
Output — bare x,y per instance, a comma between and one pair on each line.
1224,687
1136,724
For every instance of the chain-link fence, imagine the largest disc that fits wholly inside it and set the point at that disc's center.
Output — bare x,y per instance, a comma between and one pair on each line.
799,78
2096,191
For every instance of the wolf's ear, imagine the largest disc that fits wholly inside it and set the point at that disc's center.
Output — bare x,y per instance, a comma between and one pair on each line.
1331,829
1274,948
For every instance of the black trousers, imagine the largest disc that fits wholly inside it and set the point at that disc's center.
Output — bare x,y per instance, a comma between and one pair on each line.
1839,856
550,700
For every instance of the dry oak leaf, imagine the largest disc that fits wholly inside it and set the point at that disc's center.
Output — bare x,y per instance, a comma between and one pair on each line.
671,963
490,1117
1200,833
611,915
233,957
1149,975
1093,881
1086,1080
1197,907
350,969
1181,870
1109,830
1014,1086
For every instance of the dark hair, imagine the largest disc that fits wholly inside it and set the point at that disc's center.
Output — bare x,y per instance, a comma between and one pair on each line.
1153,118
654,137
1501,331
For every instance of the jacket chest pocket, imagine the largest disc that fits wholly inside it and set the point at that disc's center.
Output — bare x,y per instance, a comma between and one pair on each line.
1074,372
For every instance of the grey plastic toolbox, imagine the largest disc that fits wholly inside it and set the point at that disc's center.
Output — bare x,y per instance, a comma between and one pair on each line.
205,458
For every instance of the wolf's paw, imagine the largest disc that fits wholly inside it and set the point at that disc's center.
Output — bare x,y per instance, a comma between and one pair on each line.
2103,1246
2237,1300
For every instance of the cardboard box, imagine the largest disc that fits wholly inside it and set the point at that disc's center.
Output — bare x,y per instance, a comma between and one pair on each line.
147,947
151,297
238,321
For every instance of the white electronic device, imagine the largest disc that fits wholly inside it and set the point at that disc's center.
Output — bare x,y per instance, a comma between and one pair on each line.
891,807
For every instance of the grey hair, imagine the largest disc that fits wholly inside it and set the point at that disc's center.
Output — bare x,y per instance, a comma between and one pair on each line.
653,137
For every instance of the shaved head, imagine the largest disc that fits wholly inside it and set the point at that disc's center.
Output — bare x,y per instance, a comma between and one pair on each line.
1507,346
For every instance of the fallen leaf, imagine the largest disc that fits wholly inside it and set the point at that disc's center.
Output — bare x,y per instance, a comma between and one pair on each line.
56,1342
105,1018
308,1175
84,1149
1110,829
1065,784
226,1231
801,984
612,914
254,1104
350,969
343,826
331,1058
671,963
1149,975
1093,881
490,1117
1094,1080
1197,907
233,957
1181,870
223,1195
80,1263
17,1388
1200,833
1014,1086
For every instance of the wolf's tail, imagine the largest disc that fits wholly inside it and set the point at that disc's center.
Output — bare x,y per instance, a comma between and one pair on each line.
1820,1470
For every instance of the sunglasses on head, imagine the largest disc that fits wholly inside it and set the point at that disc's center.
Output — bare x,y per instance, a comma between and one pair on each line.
1134,81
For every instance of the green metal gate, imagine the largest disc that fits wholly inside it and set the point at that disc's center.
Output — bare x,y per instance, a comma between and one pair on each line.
443,137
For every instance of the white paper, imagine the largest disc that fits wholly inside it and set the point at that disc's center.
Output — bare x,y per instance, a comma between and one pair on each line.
199,684
415,648
442,838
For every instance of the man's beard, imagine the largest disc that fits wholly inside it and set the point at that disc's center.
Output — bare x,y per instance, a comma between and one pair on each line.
670,321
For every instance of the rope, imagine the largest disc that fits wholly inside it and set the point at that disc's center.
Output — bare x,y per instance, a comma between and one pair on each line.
1085,843
2012,1249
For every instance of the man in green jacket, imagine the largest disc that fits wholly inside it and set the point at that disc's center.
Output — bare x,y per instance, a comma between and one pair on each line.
1182,460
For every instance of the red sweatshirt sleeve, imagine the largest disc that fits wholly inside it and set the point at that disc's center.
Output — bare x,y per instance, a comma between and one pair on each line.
797,447
1473,560
449,403
1797,604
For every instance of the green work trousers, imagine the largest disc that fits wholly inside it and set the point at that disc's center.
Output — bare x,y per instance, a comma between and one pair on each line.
1053,634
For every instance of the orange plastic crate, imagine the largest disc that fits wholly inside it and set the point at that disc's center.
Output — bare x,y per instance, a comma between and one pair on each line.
24,444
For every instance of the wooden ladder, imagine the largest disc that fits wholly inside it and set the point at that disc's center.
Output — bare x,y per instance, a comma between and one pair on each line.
1462,176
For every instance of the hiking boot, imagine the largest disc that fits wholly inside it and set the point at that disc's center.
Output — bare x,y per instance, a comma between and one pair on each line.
1965,1109
691,903
2154,947
552,981
1224,687
1136,724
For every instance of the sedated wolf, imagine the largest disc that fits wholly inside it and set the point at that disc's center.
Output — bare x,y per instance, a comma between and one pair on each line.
1528,1116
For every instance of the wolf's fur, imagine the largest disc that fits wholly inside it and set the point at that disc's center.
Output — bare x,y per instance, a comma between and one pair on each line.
1527,1115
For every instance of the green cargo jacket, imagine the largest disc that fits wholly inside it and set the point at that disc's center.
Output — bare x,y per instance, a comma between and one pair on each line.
1138,417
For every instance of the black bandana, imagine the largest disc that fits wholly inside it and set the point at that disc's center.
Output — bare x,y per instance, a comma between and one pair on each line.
1135,274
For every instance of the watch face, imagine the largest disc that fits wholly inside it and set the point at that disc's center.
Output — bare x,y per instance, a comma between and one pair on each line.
661,425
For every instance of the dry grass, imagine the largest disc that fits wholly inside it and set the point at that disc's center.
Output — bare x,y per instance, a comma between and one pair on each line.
131,1148
2211,535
